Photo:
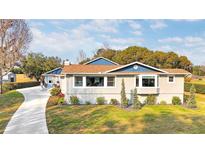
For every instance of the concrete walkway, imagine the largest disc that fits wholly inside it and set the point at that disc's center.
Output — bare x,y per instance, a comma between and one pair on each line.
30,117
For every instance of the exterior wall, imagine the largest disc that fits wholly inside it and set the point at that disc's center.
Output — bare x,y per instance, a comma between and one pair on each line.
165,90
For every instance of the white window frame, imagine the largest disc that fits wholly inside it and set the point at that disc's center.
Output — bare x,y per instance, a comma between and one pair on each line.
105,79
140,80
87,87
173,78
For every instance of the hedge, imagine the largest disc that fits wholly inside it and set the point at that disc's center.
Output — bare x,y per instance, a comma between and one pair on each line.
200,88
18,85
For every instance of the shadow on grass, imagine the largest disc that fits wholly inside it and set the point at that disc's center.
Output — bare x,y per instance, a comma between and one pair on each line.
168,123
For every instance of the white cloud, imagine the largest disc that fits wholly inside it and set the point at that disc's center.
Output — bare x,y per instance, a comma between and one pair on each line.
100,25
171,40
136,27
61,43
158,24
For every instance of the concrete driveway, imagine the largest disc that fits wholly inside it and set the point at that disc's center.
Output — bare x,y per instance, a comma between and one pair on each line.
30,117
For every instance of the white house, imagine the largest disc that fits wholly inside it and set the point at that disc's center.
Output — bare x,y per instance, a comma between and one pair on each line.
102,78
9,77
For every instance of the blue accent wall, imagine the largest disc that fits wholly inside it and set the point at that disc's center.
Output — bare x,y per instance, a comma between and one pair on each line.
101,61
139,69
55,71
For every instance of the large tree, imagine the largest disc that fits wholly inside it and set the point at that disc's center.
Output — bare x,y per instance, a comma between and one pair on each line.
15,37
35,64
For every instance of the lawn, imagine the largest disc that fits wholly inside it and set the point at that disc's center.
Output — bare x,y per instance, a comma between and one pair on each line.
197,81
9,103
158,119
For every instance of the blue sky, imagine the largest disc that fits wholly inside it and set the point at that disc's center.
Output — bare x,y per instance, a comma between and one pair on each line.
65,38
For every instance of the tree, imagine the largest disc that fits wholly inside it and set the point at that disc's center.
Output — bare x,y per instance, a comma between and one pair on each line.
81,56
192,98
124,100
136,102
15,37
35,64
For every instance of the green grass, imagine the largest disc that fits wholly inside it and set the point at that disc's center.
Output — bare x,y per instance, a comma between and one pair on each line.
197,81
112,119
9,103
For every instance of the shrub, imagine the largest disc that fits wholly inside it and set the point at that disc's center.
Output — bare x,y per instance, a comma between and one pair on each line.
176,100
55,91
88,103
100,100
151,100
188,79
163,102
74,100
200,79
53,100
200,88
18,85
124,100
186,97
114,101
61,99
191,102
136,103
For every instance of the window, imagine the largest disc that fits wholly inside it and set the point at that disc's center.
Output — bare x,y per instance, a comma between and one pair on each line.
78,81
49,81
171,79
110,81
137,81
148,81
94,81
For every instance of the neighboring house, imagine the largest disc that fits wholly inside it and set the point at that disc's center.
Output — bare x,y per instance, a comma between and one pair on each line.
102,78
52,77
9,77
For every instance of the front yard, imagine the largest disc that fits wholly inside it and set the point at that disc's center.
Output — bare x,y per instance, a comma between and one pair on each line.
112,119
9,103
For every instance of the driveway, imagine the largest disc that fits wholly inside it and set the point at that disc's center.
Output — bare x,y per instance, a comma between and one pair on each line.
30,117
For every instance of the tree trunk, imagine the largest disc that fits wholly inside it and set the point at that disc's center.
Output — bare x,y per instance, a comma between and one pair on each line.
1,80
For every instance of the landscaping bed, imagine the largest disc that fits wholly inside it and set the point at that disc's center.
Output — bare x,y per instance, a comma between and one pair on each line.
9,103
157,119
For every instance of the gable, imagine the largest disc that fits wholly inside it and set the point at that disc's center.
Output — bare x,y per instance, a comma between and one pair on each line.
135,68
101,61
55,71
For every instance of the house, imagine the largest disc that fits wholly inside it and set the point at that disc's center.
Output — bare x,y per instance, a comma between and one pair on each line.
102,78
9,77
52,77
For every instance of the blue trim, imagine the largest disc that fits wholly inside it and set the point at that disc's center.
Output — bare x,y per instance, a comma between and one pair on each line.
140,68
101,61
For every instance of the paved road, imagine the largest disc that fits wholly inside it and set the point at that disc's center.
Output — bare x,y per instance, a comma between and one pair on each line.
30,117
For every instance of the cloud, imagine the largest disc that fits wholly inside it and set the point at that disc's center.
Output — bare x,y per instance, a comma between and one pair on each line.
158,24
61,43
136,27
100,25
171,40
188,41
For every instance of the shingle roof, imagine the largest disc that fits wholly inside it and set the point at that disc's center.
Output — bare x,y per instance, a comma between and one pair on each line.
76,68
176,71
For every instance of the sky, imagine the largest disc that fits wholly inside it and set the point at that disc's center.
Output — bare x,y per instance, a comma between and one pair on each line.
65,38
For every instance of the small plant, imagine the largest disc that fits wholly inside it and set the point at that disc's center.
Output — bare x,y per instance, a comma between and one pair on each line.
136,103
61,99
88,103
53,100
114,101
124,100
100,100
186,97
163,102
151,100
188,79
176,100
191,102
200,79
55,91
74,100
